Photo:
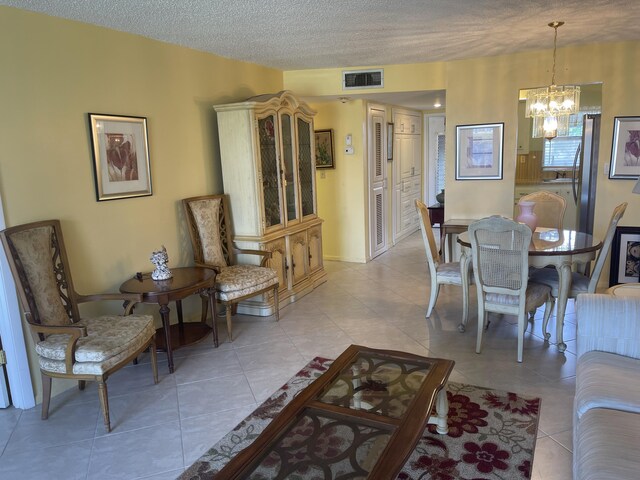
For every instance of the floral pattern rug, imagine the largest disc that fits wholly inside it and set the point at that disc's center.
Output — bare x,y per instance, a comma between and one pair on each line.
492,434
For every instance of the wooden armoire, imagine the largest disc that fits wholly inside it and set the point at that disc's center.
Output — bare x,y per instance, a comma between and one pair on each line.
268,168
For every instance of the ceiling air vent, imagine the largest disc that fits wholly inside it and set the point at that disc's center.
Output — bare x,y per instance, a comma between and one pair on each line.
362,79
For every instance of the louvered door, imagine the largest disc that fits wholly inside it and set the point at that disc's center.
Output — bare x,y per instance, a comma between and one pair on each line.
377,182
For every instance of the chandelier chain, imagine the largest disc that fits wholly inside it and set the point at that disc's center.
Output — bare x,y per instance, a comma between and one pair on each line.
555,42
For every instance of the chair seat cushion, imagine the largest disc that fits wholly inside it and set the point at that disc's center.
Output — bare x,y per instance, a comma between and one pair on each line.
606,445
451,272
110,338
239,280
607,380
536,295
549,276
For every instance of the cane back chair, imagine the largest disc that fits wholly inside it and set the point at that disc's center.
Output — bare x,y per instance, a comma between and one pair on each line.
581,283
549,208
500,250
67,345
441,273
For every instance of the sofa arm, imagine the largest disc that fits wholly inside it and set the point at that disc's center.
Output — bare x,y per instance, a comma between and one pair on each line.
608,324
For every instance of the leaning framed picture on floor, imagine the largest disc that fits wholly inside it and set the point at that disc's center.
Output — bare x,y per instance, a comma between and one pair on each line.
625,256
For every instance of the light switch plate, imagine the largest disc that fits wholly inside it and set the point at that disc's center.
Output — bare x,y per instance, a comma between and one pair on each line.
348,150
348,140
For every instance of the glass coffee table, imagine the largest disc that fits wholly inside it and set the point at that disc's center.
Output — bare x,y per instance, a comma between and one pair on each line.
361,419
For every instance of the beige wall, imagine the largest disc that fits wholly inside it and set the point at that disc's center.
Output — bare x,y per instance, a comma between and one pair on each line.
485,90
341,191
54,73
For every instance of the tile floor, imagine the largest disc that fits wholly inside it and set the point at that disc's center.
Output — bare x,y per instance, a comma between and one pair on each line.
159,430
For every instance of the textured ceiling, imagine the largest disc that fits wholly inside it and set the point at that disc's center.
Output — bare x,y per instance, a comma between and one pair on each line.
307,34
304,34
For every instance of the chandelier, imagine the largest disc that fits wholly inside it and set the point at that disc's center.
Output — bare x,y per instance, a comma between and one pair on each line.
550,107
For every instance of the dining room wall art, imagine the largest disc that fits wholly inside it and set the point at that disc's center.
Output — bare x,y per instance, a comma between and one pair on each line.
625,150
479,151
625,256
120,156
324,149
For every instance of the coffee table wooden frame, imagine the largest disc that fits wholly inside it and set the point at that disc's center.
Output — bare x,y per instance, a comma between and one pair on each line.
405,431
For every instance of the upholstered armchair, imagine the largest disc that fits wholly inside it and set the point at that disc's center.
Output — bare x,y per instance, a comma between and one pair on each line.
211,238
67,345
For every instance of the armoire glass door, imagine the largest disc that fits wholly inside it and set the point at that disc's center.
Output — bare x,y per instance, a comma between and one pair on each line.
270,171
305,167
290,179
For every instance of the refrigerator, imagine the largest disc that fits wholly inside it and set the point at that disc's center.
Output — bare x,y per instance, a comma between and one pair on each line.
585,173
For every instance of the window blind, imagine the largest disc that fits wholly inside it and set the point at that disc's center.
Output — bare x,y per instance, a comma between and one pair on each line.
559,153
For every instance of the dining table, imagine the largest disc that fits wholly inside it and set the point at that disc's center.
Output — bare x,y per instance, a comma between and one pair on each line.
565,250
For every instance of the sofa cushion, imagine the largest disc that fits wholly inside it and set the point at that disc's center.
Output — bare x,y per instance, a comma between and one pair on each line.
607,380
606,445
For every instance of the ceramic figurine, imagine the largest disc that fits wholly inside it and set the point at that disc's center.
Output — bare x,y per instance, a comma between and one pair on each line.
160,259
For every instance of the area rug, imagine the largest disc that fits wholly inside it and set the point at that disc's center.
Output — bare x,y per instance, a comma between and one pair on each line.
492,434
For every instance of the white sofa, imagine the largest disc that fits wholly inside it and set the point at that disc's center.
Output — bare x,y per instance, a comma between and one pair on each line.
606,424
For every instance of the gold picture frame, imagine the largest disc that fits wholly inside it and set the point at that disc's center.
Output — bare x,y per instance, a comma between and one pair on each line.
121,164
324,149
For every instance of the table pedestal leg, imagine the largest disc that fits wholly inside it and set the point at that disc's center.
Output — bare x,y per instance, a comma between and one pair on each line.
564,280
166,323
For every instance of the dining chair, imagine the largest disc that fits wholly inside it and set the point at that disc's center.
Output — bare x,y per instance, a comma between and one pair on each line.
500,255
213,247
580,283
549,208
68,345
441,273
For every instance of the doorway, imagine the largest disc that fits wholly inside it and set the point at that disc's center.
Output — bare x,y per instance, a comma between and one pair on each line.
567,165
13,341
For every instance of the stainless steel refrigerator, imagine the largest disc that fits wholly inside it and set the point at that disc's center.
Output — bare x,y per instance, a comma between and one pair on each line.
585,173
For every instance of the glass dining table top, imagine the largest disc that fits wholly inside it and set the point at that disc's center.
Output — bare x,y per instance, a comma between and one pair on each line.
551,241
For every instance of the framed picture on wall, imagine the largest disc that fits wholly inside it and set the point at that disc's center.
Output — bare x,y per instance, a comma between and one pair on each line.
625,256
324,149
120,156
625,150
479,151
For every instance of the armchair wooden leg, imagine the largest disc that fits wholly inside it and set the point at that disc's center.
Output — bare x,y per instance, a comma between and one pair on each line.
229,309
46,395
104,403
276,303
82,384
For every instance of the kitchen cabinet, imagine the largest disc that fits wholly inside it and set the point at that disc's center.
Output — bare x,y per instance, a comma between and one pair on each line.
268,167
408,171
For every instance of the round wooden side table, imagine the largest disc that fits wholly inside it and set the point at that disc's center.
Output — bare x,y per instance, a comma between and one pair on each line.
186,281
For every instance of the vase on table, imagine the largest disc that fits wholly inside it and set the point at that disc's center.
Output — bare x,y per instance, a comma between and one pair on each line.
440,197
527,216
